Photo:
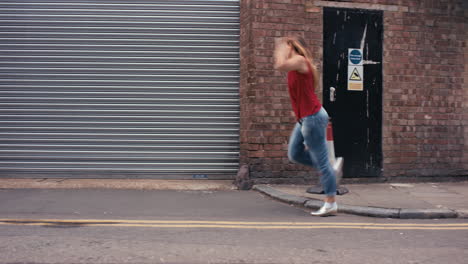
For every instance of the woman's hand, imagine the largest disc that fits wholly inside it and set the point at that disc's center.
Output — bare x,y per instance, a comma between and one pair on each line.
286,59
280,42
281,47
282,50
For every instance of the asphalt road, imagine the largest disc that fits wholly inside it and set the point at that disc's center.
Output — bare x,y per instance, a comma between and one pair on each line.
129,226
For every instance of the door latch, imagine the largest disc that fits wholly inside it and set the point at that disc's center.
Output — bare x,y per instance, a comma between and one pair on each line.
332,94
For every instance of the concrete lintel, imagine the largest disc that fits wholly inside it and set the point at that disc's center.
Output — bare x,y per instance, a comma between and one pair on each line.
392,8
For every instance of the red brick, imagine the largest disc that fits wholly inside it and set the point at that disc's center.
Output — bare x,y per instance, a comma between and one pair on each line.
425,75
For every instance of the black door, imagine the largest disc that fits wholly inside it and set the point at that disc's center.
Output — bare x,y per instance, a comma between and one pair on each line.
352,67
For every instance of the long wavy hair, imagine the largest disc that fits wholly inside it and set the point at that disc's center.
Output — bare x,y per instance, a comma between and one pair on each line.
300,47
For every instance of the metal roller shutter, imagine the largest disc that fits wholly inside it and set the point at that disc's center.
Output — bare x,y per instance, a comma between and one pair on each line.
119,88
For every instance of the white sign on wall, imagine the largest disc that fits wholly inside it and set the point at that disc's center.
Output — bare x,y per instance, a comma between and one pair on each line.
355,70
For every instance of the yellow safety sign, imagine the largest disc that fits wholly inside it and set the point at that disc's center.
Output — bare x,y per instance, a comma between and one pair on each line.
355,75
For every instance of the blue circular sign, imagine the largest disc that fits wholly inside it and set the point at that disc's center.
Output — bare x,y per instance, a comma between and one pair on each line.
355,56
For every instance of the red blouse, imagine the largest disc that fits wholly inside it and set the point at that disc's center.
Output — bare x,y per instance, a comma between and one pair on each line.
302,93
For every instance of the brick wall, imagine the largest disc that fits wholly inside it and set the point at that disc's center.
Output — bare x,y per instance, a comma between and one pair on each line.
423,89
266,114
424,86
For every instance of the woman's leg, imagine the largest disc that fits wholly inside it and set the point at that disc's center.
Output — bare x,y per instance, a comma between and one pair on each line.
313,131
297,152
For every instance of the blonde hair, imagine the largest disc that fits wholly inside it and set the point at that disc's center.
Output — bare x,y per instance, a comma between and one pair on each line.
300,47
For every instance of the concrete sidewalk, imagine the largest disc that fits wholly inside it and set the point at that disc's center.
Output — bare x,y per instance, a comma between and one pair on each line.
119,184
392,200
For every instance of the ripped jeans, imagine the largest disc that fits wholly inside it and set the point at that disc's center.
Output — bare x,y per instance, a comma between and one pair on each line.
310,132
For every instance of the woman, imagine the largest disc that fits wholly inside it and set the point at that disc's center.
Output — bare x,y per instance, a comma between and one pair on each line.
307,144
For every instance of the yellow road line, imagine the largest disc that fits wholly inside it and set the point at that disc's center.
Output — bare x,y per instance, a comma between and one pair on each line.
125,221
228,224
247,226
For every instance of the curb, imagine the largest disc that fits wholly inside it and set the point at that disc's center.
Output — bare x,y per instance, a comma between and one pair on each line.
427,213
400,213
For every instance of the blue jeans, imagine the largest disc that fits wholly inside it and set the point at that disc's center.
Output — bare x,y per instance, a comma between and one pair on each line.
310,132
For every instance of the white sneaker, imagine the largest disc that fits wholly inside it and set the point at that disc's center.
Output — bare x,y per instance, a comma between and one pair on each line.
338,169
326,211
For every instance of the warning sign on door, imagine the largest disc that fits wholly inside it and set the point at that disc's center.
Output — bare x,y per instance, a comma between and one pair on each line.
355,70
355,76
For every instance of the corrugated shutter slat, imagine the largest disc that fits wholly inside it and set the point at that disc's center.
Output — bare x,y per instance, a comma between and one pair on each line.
119,89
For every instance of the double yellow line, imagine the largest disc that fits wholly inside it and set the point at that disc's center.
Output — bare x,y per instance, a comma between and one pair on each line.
228,224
